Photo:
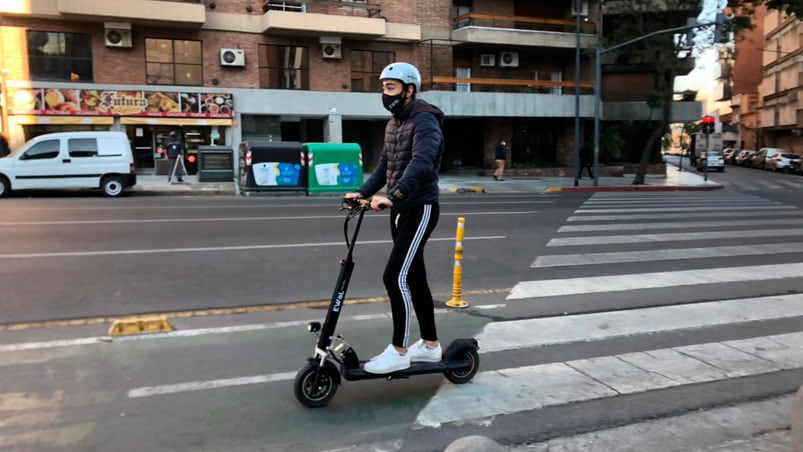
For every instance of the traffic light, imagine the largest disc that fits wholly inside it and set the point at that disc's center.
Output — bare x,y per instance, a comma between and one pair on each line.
723,26
708,125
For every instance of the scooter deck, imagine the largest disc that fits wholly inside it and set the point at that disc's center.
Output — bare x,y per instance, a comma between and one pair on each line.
414,369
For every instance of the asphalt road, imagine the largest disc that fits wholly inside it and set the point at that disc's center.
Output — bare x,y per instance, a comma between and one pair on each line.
224,382
71,258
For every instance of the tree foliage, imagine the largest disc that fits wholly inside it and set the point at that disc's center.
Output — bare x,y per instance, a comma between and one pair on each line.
790,7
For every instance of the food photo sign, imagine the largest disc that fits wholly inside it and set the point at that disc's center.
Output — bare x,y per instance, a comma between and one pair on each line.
94,102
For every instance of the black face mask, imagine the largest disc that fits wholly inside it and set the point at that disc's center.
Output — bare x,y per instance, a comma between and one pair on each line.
393,104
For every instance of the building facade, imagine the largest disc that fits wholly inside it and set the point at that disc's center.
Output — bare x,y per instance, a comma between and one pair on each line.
226,71
781,89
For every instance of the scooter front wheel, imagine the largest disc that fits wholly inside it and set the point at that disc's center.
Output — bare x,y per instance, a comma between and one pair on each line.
315,386
465,374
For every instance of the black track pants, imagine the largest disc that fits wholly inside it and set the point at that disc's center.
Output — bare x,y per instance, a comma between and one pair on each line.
405,275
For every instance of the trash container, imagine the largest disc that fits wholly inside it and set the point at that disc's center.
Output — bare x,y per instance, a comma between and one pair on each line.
333,167
215,164
272,166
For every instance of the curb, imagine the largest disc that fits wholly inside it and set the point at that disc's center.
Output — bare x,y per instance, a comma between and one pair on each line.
466,190
635,188
796,421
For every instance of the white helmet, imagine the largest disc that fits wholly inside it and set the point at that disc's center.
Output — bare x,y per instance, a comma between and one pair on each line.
405,72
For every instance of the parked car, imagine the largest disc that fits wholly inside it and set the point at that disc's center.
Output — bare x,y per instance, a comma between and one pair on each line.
729,154
795,167
69,160
783,162
710,161
743,159
760,160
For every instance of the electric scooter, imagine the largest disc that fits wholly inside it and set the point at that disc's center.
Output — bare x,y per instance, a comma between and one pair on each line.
317,382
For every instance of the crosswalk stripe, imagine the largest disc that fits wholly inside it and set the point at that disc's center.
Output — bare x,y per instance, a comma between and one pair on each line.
513,390
518,334
678,209
678,225
668,237
636,281
765,184
618,257
682,215
789,183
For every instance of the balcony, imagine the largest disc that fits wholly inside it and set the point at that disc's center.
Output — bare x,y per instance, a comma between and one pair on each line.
189,13
348,19
479,28
506,85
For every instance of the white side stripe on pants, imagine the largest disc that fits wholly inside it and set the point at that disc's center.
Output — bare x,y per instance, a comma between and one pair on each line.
408,260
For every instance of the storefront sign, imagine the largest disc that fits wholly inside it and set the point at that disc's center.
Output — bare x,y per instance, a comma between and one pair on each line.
92,102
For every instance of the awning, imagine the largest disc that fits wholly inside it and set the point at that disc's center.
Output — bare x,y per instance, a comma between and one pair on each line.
63,120
126,120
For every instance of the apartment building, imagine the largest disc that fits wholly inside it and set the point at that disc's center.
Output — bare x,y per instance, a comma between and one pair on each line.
226,71
781,90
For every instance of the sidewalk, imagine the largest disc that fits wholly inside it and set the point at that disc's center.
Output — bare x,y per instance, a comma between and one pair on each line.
453,182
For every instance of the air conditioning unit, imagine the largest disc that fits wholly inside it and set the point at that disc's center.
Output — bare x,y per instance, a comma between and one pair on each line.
509,59
117,34
583,8
330,47
488,60
232,57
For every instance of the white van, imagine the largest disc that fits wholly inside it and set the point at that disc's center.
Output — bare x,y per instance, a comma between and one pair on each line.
68,160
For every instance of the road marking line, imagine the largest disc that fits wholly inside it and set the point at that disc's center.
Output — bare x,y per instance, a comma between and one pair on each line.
682,215
564,260
677,225
225,219
506,391
219,248
518,334
620,283
149,391
669,237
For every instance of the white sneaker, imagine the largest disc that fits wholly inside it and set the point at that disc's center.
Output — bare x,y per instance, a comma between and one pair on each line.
421,352
388,361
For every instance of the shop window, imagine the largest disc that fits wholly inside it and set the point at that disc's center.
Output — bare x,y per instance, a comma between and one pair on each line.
283,67
59,56
173,62
365,69
43,150
82,147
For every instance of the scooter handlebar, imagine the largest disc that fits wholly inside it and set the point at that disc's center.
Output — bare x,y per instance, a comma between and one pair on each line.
355,204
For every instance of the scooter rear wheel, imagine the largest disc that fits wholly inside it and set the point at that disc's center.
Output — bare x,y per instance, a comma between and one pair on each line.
466,374
315,386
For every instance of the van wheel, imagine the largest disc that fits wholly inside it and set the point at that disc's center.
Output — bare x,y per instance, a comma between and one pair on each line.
112,186
5,187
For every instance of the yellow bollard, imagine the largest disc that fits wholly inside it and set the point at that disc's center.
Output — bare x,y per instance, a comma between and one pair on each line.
457,291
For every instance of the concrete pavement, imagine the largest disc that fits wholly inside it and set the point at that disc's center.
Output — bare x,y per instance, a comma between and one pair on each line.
462,182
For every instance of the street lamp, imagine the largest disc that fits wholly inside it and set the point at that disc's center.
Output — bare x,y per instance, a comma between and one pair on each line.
577,9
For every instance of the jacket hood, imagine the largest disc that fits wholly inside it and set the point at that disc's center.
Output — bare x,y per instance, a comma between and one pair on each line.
420,106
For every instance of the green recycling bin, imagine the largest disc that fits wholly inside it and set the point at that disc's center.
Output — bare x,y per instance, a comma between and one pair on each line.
333,167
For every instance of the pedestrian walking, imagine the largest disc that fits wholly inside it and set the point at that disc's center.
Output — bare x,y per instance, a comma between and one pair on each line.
586,161
500,156
174,149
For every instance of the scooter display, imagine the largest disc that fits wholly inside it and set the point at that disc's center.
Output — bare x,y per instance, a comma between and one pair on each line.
317,382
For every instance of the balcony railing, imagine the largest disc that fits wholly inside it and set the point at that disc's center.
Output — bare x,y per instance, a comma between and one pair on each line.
508,85
324,7
522,23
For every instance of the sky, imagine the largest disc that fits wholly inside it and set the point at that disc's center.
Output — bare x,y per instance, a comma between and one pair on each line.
703,78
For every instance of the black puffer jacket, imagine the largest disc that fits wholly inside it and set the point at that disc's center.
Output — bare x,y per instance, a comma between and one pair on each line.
411,157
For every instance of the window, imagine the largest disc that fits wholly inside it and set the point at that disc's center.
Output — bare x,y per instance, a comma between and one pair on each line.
365,69
43,150
82,147
59,56
173,62
283,67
